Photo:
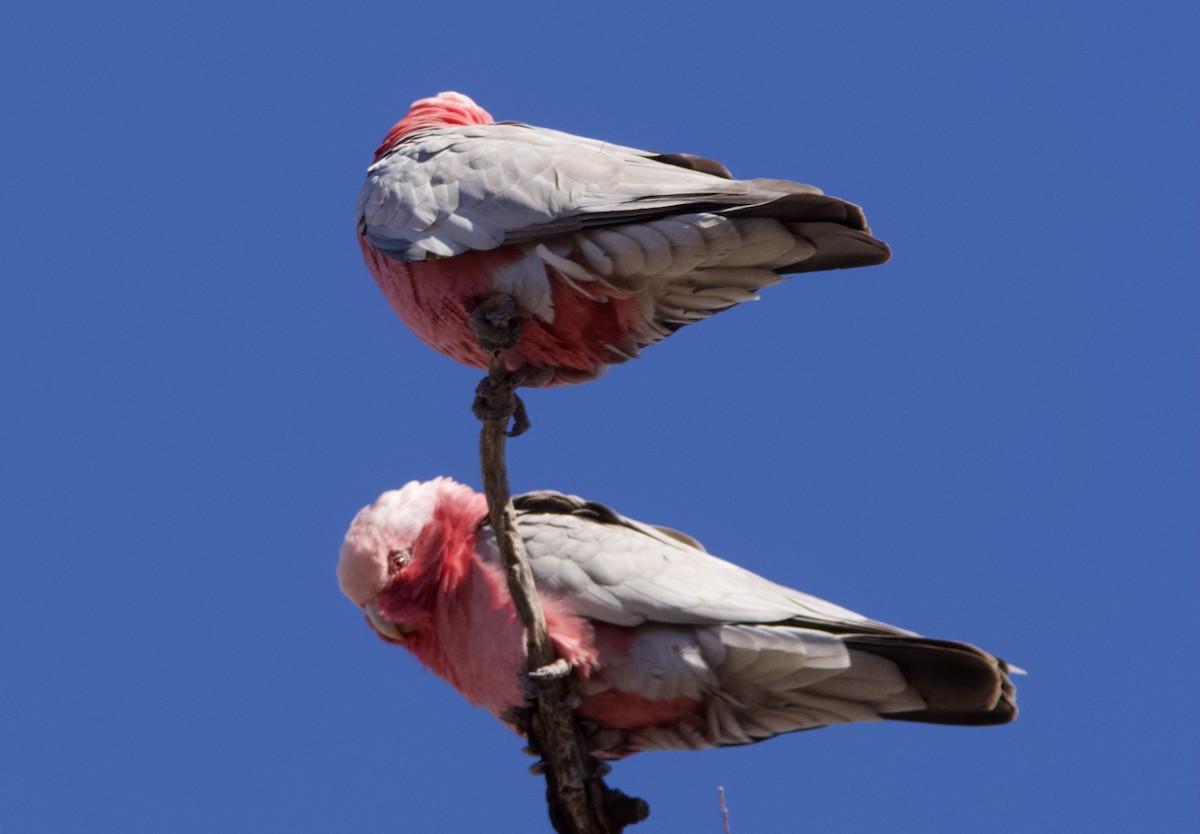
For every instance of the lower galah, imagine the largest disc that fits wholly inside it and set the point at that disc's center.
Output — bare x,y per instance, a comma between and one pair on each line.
674,648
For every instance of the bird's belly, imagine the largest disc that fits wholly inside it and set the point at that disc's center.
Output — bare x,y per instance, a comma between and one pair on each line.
575,335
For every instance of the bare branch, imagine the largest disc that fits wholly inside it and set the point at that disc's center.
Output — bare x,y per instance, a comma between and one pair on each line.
579,801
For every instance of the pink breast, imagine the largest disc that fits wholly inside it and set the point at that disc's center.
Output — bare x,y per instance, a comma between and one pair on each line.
435,299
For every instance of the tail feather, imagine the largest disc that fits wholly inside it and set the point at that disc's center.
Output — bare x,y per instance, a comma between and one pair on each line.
959,683
837,247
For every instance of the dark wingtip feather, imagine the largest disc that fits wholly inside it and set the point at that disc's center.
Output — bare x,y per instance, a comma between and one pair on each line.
960,683
694,163
838,247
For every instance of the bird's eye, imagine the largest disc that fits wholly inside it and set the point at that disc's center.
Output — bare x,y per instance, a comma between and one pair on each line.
398,558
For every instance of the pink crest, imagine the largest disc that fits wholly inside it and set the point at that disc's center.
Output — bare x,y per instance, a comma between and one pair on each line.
442,110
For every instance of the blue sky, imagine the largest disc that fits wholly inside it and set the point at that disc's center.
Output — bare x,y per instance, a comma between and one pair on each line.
991,438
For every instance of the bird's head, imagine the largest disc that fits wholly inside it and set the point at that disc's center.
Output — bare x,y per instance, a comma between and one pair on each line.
404,546
443,110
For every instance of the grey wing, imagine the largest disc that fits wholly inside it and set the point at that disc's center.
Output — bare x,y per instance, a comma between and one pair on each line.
763,658
448,191
619,571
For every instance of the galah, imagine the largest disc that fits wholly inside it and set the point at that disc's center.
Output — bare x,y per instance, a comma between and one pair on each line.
674,648
603,249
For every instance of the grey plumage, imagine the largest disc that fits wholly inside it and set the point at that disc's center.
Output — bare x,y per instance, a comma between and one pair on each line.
674,231
766,658
447,191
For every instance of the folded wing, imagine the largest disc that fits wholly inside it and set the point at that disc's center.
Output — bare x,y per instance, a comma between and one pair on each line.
756,658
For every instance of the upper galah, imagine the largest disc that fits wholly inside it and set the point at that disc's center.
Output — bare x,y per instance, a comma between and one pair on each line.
603,249
674,648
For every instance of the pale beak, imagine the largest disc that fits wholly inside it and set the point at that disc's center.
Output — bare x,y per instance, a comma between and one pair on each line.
384,626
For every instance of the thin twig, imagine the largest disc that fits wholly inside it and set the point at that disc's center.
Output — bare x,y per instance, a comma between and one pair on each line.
579,801
724,810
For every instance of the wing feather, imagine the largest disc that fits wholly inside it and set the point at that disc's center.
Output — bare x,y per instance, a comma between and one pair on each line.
516,183
616,570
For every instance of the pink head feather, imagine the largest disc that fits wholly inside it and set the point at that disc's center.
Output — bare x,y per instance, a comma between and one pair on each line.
442,110
394,524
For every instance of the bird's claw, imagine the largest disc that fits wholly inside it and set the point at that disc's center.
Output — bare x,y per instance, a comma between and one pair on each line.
537,682
497,326
520,419
496,323
557,670
499,402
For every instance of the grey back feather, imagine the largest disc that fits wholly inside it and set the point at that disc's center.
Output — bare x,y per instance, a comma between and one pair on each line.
620,571
447,191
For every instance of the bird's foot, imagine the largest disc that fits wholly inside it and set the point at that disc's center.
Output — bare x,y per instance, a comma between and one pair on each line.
555,671
496,400
496,322
537,683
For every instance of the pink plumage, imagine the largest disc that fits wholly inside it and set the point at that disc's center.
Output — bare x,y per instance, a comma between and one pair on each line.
605,249
675,648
